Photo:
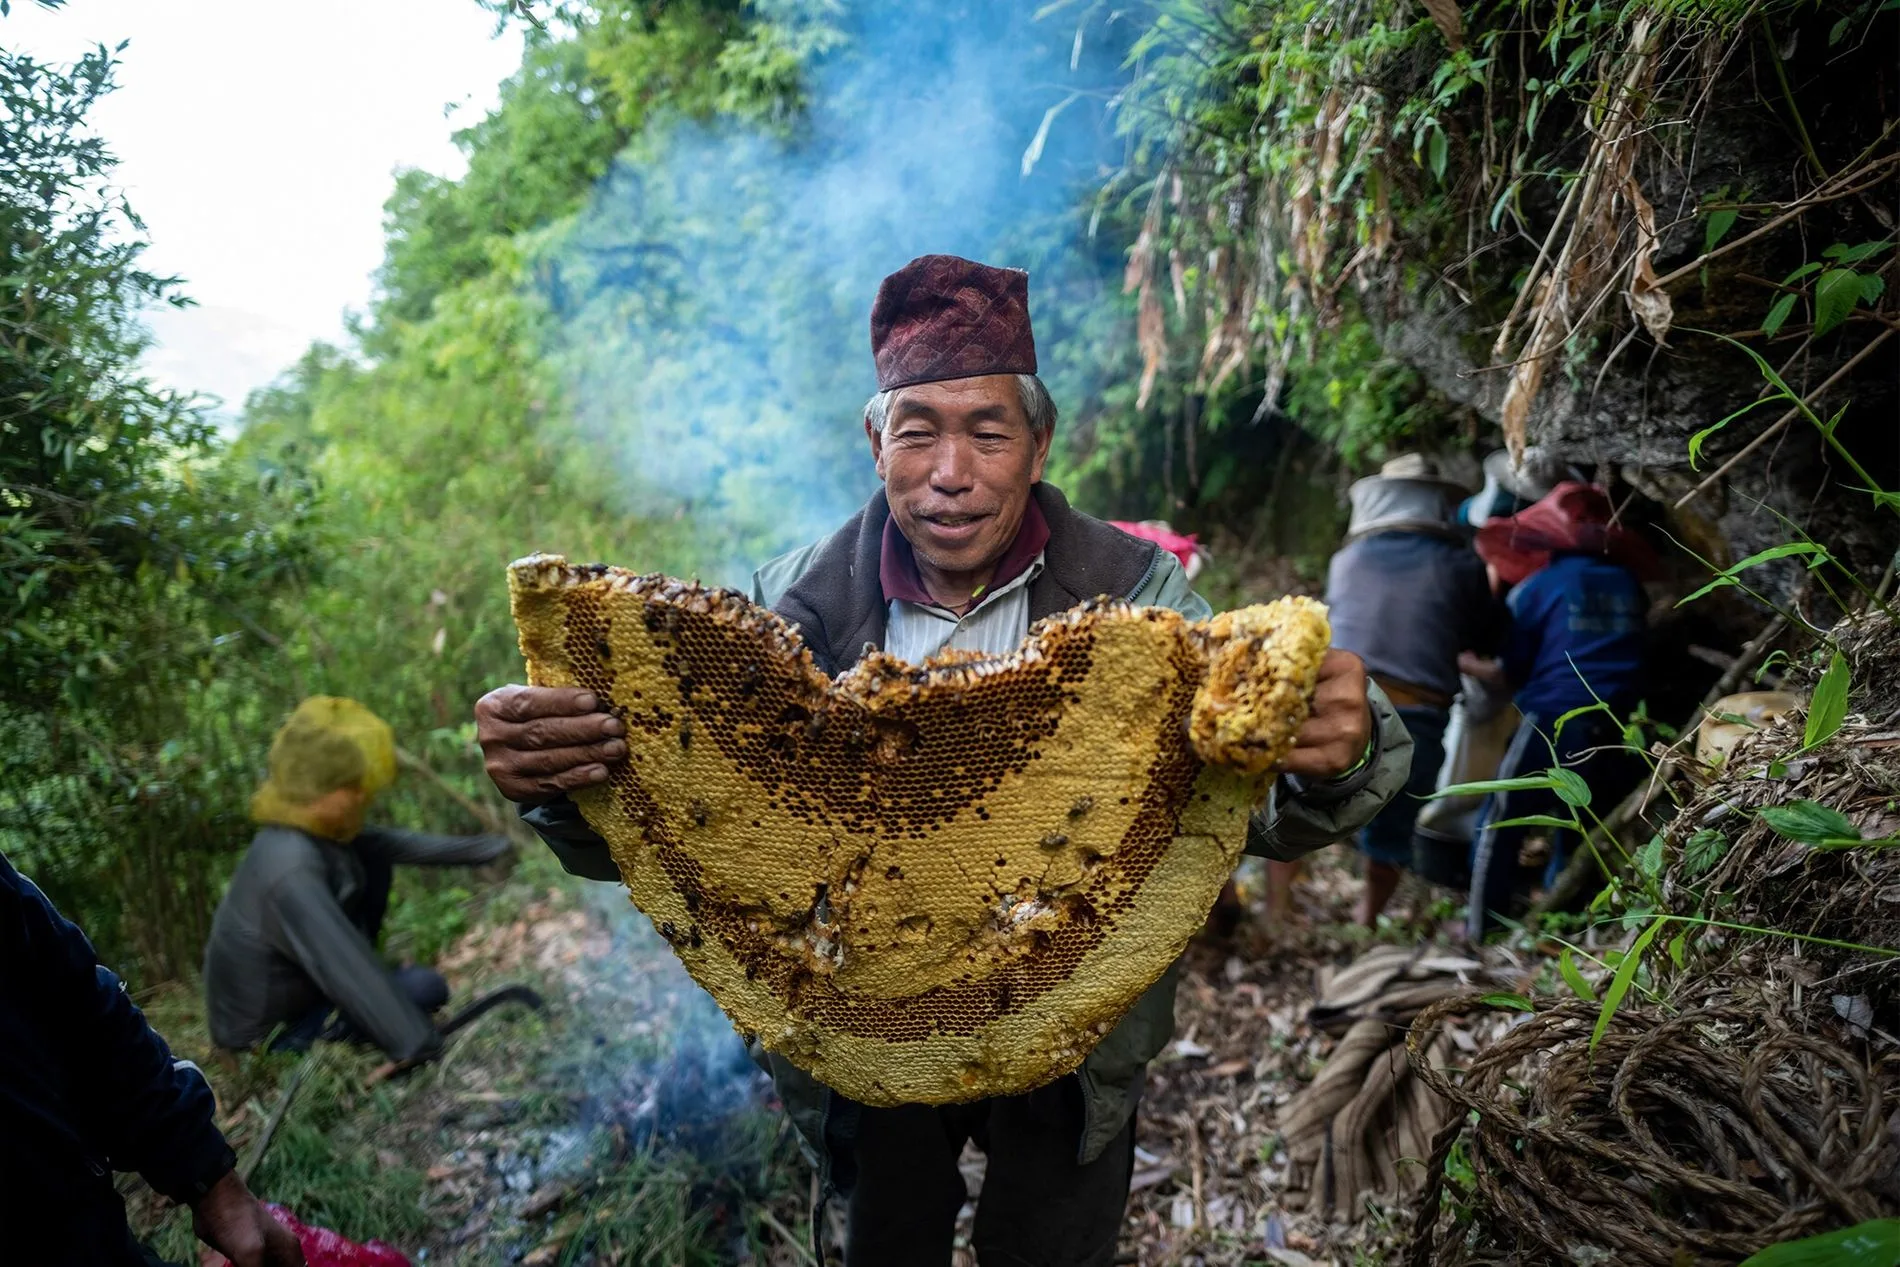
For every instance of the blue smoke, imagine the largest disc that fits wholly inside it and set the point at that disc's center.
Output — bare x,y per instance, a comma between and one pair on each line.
714,297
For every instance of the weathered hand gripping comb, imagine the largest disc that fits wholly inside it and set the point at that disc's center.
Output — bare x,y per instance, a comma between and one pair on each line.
923,884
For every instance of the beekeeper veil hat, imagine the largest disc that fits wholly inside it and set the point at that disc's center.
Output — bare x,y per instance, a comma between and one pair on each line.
328,743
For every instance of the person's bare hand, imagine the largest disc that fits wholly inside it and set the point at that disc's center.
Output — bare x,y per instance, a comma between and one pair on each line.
1483,668
233,1222
1335,734
542,741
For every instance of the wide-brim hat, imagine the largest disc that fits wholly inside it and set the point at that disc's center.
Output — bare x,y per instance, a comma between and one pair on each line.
1396,500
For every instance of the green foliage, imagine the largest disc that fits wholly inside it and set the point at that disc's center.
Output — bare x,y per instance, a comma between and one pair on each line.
1827,707
1875,1243
1625,976
136,572
1811,823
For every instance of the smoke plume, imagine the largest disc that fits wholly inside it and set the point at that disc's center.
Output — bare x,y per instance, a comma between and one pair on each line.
714,296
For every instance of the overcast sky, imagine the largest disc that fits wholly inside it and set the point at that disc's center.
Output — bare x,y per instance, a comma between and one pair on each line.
258,139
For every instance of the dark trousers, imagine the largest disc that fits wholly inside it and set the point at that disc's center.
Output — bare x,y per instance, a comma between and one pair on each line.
1388,837
1039,1206
1592,746
426,987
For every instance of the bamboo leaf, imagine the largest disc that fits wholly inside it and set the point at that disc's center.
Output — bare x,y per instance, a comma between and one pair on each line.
1574,978
1727,576
1437,150
1695,441
1515,1002
1777,315
1875,1243
1677,947
1828,708
1720,222
1621,982
1483,787
1809,822
1538,820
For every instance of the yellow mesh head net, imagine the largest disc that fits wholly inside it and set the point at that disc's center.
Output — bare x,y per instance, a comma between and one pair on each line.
328,743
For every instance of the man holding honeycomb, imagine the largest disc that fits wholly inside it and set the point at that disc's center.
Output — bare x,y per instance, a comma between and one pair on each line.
967,561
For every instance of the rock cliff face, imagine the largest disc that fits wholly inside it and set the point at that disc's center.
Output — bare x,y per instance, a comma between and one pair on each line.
1619,401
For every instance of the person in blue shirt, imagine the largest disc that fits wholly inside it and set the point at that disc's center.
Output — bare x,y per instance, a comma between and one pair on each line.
1577,627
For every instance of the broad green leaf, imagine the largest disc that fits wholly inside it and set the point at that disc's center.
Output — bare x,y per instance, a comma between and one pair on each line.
1621,982
1483,787
1720,222
1437,150
1703,850
1570,787
1812,266
1515,1002
1678,947
1649,859
1872,287
1573,977
1834,297
1809,822
1727,576
1828,707
1777,315
1875,1243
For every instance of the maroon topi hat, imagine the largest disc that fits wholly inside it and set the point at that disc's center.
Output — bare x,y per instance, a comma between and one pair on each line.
942,317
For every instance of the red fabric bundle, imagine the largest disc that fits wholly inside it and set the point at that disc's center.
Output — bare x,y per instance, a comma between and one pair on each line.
1573,519
1184,548
324,1248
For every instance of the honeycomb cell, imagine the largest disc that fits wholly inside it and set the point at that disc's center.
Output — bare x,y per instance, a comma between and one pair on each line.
923,883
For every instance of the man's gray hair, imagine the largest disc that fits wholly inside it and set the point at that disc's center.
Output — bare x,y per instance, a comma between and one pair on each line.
1038,406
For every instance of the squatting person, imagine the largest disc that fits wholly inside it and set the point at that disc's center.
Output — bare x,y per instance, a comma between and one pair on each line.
295,937
964,548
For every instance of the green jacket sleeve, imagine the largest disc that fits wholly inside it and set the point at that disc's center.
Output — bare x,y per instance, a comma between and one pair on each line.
315,933
1301,816
423,849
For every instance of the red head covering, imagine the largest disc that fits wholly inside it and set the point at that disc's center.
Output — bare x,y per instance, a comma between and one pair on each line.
1573,519
942,317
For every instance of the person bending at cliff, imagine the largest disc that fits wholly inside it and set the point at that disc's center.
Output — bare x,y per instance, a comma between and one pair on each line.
1407,595
295,937
964,548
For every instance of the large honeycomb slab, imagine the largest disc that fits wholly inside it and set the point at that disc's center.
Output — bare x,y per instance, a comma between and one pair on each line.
923,884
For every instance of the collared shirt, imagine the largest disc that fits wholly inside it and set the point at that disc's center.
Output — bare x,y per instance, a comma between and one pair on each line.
915,631
918,626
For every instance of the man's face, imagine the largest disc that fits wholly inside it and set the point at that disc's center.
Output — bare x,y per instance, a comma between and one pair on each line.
958,460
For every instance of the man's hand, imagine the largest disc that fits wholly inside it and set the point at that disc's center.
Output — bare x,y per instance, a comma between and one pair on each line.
1336,731
542,741
1486,670
232,1221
